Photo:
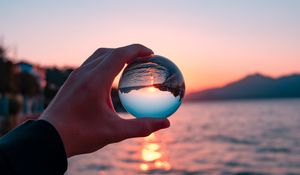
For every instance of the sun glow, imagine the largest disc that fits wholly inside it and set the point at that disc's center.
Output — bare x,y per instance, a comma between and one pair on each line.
153,155
144,167
151,88
150,152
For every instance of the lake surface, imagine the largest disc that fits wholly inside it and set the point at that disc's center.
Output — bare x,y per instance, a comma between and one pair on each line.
257,137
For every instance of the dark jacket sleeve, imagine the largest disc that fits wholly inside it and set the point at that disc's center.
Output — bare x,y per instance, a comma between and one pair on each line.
33,148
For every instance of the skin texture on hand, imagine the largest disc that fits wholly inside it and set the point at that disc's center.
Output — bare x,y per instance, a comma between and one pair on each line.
82,111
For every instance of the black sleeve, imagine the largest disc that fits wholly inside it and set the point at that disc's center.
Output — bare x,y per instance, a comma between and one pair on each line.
33,148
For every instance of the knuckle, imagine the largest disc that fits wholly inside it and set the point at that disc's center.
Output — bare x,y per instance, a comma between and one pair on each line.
74,75
100,50
137,46
119,52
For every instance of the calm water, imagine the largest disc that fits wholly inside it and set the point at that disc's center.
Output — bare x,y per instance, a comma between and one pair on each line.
150,102
233,137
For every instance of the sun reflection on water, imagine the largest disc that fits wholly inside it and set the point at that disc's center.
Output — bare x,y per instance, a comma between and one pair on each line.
152,88
153,155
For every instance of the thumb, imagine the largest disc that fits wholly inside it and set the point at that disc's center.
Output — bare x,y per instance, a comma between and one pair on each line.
142,127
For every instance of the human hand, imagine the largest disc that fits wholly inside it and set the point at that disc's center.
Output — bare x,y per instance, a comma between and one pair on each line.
82,111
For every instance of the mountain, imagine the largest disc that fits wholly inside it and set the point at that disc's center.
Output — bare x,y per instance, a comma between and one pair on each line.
253,87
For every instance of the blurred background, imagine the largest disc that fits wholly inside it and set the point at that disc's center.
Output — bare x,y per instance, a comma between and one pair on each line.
240,61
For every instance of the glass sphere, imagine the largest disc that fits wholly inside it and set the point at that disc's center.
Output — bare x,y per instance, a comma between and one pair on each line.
151,87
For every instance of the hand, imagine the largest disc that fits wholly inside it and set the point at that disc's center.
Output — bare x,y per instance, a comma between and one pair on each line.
82,111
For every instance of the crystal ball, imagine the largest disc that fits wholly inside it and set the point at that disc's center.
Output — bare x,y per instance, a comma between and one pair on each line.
151,87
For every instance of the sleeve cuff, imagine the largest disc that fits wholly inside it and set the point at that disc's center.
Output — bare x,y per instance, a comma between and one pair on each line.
34,147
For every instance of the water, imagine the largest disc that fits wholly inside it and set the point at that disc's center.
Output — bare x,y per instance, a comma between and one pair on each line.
150,102
214,138
152,87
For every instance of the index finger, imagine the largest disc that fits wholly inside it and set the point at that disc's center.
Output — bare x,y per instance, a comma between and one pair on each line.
115,61
98,53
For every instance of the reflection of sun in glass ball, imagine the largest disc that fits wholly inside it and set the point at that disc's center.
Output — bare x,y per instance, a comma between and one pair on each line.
152,87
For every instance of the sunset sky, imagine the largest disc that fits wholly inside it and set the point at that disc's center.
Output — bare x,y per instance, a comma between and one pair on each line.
212,42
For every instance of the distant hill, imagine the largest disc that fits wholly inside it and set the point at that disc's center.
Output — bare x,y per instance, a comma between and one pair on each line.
253,87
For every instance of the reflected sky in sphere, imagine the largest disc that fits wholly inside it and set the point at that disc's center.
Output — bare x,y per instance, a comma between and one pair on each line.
152,87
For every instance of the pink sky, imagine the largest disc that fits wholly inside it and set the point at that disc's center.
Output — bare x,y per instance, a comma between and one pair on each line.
211,42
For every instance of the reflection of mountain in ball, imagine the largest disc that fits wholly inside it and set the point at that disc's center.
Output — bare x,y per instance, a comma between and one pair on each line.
155,73
168,85
153,87
172,85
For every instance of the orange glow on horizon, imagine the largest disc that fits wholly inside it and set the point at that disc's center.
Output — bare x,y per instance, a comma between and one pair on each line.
211,47
151,89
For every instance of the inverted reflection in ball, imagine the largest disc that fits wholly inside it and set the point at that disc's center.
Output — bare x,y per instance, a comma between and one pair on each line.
152,87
